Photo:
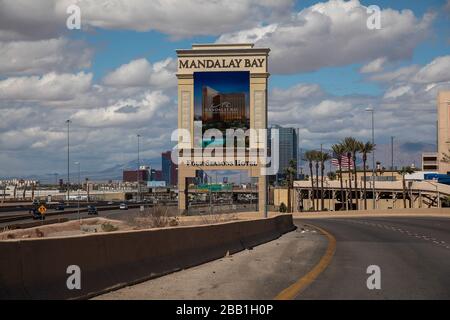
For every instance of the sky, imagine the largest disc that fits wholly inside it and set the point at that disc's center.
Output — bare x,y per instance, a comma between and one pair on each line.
115,77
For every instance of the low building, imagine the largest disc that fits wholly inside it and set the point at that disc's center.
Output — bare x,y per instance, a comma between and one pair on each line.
132,175
430,161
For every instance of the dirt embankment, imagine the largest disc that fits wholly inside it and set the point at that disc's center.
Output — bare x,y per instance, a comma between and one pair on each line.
102,225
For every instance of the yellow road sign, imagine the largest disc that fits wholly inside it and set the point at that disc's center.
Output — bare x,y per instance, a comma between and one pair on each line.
42,209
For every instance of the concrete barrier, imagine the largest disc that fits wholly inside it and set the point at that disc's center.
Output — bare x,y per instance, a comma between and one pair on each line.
36,269
414,212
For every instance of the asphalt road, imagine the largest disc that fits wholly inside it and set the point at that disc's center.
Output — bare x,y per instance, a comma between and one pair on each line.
413,255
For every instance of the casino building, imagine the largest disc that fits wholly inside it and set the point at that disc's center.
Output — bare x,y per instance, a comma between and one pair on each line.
218,106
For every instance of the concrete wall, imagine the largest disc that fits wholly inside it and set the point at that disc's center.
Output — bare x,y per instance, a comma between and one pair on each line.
443,113
36,269
280,195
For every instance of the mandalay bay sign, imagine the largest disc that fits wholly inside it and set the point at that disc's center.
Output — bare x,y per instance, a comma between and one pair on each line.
233,63
222,115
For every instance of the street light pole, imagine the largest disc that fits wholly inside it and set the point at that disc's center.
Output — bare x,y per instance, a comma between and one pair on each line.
373,155
68,159
138,169
78,192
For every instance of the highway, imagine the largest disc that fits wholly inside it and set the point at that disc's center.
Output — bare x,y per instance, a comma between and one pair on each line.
111,213
24,219
322,259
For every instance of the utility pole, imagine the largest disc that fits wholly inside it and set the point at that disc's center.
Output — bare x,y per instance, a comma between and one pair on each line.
392,157
68,159
371,110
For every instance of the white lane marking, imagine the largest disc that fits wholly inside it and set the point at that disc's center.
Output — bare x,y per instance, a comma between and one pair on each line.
407,232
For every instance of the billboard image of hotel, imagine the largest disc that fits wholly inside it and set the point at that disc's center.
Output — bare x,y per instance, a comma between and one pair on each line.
218,108
221,100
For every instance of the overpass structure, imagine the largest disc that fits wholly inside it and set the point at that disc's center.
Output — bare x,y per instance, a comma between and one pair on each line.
388,195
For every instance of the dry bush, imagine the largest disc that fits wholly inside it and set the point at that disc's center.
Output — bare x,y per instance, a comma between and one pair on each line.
218,217
108,227
155,217
39,233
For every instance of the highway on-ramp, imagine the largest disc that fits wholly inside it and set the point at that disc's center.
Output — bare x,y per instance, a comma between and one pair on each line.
322,259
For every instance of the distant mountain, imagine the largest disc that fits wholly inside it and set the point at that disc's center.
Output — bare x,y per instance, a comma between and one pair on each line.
405,154
113,173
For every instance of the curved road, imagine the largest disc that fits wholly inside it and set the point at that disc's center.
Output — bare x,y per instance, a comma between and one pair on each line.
413,255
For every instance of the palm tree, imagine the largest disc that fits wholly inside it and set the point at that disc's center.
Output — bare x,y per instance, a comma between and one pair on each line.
352,146
339,151
310,157
365,149
324,157
317,162
403,172
349,199
290,173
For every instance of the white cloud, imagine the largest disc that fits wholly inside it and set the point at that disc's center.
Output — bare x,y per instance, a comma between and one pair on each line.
330,108
406,109
436,71
49,87
374,66
334,33
123,112
397,92
141,73
32,57
24,19
399,75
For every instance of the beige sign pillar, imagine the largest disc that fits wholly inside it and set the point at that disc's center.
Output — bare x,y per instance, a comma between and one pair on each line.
221,58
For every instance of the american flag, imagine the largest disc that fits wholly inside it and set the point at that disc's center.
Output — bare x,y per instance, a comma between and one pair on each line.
346,162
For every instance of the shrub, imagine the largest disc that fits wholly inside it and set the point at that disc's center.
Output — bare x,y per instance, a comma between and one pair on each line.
283,207
108,227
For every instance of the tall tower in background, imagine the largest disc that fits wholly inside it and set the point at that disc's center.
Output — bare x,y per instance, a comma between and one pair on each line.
433,161
169,169
288,150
